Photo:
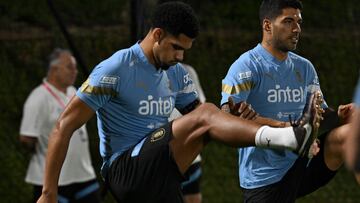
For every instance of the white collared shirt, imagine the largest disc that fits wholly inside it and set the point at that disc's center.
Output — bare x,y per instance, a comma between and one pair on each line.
40,113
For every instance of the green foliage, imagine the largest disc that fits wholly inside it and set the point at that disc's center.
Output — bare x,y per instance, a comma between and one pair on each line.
330,40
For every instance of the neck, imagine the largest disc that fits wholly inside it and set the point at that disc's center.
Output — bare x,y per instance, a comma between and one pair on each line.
147,47
279,55
58,86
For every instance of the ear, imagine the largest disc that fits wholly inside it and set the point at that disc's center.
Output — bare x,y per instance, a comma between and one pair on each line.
157,34
266,25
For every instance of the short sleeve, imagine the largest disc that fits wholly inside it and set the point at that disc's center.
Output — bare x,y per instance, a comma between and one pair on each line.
313,83
100,87
34,114
238,82
186,92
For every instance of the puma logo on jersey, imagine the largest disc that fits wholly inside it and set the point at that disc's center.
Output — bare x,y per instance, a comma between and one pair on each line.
285,94
162,106
187,78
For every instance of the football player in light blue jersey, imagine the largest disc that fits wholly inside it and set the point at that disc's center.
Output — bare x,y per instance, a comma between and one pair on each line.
276,83
133,92
352,145
146,96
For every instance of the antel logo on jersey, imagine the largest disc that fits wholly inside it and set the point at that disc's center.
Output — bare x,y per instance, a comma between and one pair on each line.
158,107
285,94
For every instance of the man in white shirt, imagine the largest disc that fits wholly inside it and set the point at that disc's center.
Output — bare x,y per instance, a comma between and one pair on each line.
77,182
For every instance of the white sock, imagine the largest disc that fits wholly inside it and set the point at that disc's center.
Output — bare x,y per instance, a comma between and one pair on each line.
276,138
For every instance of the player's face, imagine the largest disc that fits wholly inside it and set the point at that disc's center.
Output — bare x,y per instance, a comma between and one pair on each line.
66,70
169,50
286,30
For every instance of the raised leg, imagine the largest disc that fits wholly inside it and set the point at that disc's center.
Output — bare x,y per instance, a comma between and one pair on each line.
192,131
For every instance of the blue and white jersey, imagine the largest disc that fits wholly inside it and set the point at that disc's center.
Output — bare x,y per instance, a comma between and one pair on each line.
275,89
357,95
132,98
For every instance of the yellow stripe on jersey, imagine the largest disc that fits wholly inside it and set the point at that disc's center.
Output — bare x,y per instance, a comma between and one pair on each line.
238,88
87,88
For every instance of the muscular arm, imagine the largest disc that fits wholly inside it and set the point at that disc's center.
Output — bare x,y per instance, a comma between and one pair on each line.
257,118
74,116
355,143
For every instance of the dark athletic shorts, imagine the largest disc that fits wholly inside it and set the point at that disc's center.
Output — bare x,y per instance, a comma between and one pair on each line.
303,178
152,176
191,185
86,192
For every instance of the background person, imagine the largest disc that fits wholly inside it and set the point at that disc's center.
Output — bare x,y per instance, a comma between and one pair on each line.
77,181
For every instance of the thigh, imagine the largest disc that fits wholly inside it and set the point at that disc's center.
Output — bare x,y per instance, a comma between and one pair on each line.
284,191
192,183
87,192
317,174
303,178
37,190
151,175
84,192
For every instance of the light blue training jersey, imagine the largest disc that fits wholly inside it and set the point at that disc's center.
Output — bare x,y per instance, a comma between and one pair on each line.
275,89
357,94
132,98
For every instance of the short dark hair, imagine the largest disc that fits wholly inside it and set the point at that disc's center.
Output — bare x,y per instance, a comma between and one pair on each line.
176,18
273,8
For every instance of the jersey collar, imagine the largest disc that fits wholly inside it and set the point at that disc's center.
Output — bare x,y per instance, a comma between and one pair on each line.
268,56
143,59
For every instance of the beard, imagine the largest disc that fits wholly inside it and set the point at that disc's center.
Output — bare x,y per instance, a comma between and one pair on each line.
285,47
163,65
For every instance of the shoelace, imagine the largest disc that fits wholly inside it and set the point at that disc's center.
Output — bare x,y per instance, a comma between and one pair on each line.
293,123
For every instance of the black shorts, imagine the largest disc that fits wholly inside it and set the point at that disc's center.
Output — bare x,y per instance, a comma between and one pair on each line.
86,192
192,183
152,176
303,178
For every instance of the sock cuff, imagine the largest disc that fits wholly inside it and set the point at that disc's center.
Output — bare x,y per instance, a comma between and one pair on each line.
258,135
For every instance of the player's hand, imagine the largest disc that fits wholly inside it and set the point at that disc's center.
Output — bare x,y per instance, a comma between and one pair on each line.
242,109
314,149
47,199
345,112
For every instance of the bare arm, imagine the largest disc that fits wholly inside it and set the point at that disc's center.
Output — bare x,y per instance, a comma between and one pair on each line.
356,144
244,110
75,115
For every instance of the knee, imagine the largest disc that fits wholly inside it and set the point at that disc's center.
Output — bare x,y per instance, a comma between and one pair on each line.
339,135
202,114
